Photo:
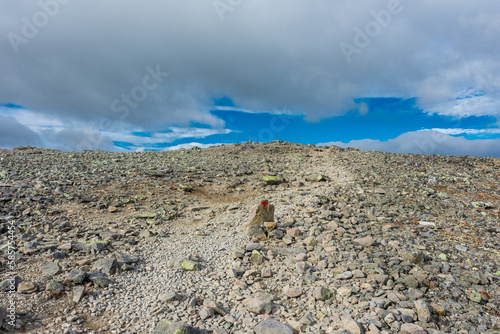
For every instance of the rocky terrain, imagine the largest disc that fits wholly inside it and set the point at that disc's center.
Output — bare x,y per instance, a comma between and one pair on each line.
159,242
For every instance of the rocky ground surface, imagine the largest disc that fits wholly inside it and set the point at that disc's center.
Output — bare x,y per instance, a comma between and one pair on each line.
157,242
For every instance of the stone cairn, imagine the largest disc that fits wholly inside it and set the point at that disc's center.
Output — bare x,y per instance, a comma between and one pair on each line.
264,213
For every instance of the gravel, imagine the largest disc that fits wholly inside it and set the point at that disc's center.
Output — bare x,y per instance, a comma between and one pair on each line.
151,242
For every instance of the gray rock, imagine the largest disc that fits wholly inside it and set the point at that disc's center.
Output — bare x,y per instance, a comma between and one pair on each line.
351,325
54,287
206,313
168,296
50,269
217,307
322,293
344,275
256,257
293,292
106,266
3,315
58,255
412,328
256,231
416,257
423,311
271,326
10,284
183,264
301,267
27,287
259,305
276,234
76,276
126,258
411,282
365,241
263,213
99,279
167,327
78,292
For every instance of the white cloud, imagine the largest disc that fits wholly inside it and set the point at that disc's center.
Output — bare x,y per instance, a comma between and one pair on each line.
191,145
469,103
174,134
428,142
465,131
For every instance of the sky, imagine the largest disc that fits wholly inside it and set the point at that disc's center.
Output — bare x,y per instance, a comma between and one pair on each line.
396,76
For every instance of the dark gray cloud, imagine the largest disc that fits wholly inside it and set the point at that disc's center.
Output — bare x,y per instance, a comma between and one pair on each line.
91,61
13,133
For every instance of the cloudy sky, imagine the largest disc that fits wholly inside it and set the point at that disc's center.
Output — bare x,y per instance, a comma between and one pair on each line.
399,76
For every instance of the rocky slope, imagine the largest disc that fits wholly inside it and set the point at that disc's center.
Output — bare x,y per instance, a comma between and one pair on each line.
154,242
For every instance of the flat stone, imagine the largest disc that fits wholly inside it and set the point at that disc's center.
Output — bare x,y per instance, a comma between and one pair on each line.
217,307
272,179
364,241
189,265
184,264
251,246
78,292
125,258
301,267
50,269
293,292
344,291
27,287
168,296
411,328
259,305
310,241
293,232
344,275
351,325
106,266
271,326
